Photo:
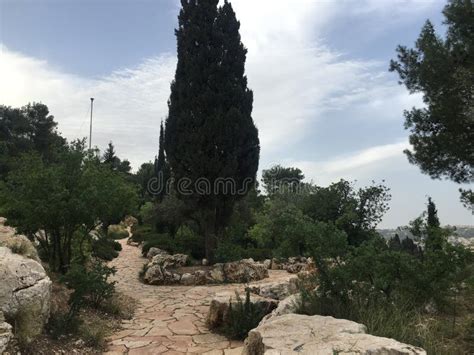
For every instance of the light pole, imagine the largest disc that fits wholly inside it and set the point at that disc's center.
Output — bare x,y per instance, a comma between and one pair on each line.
90,127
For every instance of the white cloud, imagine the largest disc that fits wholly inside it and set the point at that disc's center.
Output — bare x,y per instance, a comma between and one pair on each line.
352,166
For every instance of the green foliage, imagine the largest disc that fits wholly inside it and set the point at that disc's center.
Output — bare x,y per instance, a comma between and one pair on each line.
209,132
90,285
227,251
442,70
61,324
62,198
162,241
105,248
279,179
387,286
113,162
283,228
243,316
24,130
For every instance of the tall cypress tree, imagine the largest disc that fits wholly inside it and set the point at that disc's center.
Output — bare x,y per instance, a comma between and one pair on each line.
210,133
161,168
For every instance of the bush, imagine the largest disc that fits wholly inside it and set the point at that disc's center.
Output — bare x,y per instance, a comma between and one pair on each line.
162,241
140,233
90,285
227,251
188,242
105,248
243,316
117,231
62,324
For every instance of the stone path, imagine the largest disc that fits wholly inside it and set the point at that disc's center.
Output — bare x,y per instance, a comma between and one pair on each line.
168,319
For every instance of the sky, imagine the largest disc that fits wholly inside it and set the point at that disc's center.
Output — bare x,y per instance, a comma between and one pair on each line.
324,100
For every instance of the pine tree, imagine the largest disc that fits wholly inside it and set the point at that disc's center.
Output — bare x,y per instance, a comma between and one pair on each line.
432,219
109,156
210,133
442,69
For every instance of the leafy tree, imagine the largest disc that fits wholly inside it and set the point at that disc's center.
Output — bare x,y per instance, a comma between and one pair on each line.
27,129
357,212
283,228
279,178
51,203
210,134
442,133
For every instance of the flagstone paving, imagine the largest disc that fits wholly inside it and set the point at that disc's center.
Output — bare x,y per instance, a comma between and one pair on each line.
168,319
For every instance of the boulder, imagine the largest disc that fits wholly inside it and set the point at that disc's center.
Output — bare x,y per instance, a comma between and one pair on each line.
301,334
158,275
169,261
287,306
204,262
5,333
267,263
219,307
17,243
245,270
277,290
25,292
155,251
188,279
217,273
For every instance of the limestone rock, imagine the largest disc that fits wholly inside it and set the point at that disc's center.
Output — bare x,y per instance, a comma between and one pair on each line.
219,307
155,251
277,289
5,333
188,279
301,334
19,244
267,263
287,306
217,273
159,275
25,290
169,261
245,270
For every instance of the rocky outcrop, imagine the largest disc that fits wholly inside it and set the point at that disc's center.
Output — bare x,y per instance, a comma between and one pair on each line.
245,270
25,291
159,275
287,306
5,333
301,334
219,308
155,251
169,261
293,265
17,243
277,290
165,269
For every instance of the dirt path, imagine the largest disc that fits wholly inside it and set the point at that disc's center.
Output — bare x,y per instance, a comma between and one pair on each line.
168,319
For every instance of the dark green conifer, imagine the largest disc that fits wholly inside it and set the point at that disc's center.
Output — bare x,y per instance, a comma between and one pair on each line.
210,133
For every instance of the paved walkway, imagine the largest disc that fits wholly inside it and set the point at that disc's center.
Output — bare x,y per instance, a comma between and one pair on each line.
168,319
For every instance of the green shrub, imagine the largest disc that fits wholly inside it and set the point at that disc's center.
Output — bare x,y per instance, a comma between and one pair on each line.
62,324
117,231
227,251
105,248
243,316
93,334
162,241
140,233
90,285
188,242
